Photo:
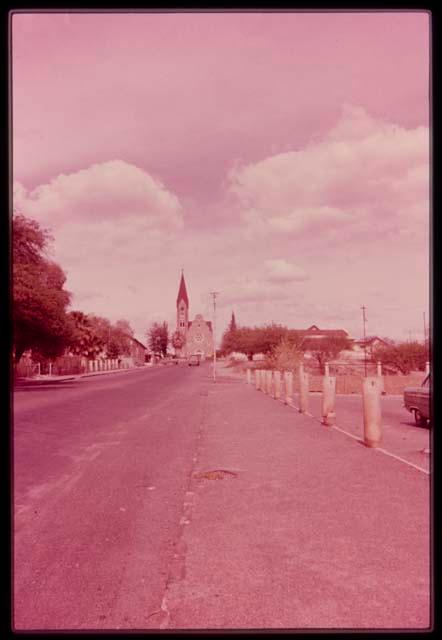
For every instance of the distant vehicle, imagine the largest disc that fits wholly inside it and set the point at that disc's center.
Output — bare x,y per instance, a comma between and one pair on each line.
417,401
194,361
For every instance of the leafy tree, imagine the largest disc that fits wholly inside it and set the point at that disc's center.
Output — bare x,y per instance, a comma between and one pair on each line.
158,338
89,335
178,340
403,356
40,319
120,339
252,340
327,348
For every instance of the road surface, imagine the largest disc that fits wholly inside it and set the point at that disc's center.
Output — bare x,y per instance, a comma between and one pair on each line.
155,499
101,466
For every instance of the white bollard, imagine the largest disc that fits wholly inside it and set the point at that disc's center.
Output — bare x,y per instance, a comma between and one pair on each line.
50,368
303,392
371,400
249,376
380,377
269,377
326,370
277,384
328,400
257,379
289,388
427,368
90,365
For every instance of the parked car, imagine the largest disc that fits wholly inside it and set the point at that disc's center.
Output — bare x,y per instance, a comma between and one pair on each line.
417,401
194,361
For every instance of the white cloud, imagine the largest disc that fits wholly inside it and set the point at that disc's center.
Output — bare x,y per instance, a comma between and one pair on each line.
113,190
365,175
280,270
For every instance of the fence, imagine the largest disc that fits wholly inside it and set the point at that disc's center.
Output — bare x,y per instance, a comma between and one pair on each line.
352,383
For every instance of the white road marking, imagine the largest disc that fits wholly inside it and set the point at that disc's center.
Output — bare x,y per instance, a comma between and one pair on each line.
387,453
346,433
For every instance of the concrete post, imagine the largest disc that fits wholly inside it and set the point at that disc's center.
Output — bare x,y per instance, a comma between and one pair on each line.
328,400
303,392
380,377
371,400
50,368
249,376
326,370
257,375
269,378
289,388
427,368
277,384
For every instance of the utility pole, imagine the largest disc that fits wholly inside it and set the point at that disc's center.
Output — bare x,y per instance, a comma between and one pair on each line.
425,332
365,342
214,294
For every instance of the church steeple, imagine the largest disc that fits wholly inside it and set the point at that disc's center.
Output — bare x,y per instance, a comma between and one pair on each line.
182,293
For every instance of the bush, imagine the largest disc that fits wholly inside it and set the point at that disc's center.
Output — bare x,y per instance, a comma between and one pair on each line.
285,356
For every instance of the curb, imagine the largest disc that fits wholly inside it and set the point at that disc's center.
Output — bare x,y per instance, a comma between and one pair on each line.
29,382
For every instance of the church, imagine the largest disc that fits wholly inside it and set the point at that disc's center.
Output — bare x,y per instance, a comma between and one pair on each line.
192,337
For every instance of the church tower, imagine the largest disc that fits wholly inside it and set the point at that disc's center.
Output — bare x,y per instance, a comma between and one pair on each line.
182,308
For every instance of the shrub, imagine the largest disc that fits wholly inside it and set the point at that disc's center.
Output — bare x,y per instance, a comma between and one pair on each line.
285,356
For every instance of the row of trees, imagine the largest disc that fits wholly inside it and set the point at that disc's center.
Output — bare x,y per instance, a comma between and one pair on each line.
41,320
402,356
268,338
285,347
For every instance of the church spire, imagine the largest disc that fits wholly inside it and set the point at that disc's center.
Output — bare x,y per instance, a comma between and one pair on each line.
182,293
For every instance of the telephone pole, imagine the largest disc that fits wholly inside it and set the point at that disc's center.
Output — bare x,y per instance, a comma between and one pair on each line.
214,294
425,331
365,341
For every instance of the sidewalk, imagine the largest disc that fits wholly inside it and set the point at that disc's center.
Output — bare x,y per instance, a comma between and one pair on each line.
288,524
46,379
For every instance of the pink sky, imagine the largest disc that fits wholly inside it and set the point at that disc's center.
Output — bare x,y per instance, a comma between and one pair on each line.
280,158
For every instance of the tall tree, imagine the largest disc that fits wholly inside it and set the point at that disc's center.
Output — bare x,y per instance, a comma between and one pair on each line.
327,348
40,319
158,338
403,356
232,325
90,334
121,335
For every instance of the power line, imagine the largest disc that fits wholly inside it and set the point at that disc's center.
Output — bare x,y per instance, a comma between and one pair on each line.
214,294
365,341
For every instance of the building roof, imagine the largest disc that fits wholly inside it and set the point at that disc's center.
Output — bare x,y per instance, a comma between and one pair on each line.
370,339
138,342
135,340
208,322
182,293
314,330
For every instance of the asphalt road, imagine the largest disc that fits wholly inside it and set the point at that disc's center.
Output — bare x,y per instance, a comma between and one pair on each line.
154,499
101,466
